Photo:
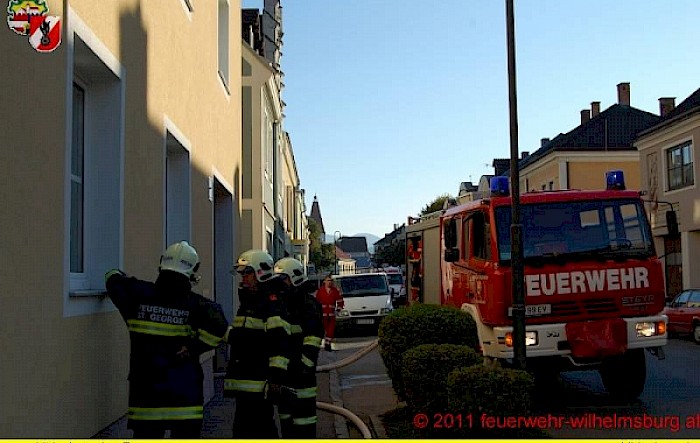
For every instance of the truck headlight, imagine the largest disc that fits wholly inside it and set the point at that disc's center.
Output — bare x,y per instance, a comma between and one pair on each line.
343,313
650,328
530,339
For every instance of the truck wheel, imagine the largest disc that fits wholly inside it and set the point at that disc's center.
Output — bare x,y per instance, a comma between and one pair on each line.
696,333
624,375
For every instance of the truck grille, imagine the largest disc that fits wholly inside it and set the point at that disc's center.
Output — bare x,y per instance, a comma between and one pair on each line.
364,312
581,307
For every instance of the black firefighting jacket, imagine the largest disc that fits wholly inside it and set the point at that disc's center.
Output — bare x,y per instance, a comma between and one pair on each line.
306,320
259,339
169,326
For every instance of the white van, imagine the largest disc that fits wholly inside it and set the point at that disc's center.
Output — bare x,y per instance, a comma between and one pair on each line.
367,298
396,281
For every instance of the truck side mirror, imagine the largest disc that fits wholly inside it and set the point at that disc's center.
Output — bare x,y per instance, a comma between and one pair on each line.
451,255
672,223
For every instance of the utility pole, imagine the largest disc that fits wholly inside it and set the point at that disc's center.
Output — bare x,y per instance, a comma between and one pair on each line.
516,228
335,249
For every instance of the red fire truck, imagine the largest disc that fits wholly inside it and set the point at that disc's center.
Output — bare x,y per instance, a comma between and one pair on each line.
594,288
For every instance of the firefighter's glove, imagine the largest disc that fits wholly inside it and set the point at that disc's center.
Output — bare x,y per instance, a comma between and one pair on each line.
183,353
279,393
113,272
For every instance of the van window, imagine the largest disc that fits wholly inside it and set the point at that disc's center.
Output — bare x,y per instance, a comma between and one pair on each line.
363,285
395,279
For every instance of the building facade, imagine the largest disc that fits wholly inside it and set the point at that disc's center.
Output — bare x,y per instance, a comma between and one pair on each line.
579,158
667,159
274,215
134,143
261,126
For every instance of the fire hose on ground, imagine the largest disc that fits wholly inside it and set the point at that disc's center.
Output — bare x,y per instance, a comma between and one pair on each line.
357,421
366,433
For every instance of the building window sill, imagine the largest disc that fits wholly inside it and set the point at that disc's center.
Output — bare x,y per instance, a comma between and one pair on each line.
87,293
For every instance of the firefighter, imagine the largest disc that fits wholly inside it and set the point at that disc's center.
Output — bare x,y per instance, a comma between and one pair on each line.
330,299
257,372
298,417
170,327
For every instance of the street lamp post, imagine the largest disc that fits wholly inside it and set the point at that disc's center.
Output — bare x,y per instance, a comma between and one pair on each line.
335,248
516,228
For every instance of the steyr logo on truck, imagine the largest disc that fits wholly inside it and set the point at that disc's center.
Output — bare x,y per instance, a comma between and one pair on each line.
575,282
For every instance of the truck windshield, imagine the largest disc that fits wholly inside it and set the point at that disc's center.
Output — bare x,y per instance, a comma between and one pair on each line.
574,230
362,285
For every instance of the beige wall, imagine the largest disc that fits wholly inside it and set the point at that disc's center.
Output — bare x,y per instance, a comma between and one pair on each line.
263,93
539,174
579,170
65,376
686,201
591,175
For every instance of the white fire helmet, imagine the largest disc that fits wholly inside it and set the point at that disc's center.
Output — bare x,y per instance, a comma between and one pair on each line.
293,268
259,261
181,258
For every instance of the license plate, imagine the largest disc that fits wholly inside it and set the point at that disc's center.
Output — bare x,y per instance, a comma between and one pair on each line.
534,310
365,321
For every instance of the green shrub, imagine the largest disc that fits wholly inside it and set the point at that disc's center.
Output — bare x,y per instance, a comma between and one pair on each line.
419,324
425,372
495,392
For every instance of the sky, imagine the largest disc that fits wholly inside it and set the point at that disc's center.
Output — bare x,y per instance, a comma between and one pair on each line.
393,103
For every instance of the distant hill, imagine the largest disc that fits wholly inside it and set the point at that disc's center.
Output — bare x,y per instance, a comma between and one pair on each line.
371,239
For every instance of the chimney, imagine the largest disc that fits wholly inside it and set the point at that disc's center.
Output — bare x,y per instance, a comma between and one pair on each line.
623,94
666,105
524,154
585,115
595,109
543,142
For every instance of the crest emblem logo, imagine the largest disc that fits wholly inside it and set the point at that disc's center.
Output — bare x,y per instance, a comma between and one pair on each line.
45,32
20,12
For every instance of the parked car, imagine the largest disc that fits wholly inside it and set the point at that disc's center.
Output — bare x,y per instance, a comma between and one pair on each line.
684,314
367,298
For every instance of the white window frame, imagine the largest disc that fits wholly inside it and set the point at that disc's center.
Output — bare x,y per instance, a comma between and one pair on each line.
82,290
223,46
181,233
78,279
689,143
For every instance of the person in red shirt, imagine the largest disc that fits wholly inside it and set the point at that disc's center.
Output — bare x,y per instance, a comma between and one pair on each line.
329,297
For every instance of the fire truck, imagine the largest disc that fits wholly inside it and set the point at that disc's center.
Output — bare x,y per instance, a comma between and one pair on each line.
594,287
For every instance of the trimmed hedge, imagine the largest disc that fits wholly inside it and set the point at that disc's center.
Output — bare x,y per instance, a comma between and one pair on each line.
419,324
425,373
496,392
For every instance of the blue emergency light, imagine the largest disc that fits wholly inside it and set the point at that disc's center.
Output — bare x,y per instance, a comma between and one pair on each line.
499,186
615,180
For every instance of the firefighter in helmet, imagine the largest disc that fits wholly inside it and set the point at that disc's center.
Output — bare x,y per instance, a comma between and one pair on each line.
259,338
170,326
298,417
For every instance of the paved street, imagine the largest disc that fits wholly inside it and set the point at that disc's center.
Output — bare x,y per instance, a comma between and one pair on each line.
671,397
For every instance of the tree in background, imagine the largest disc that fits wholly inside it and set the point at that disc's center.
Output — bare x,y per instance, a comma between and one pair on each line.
435,205
393,254
322,255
